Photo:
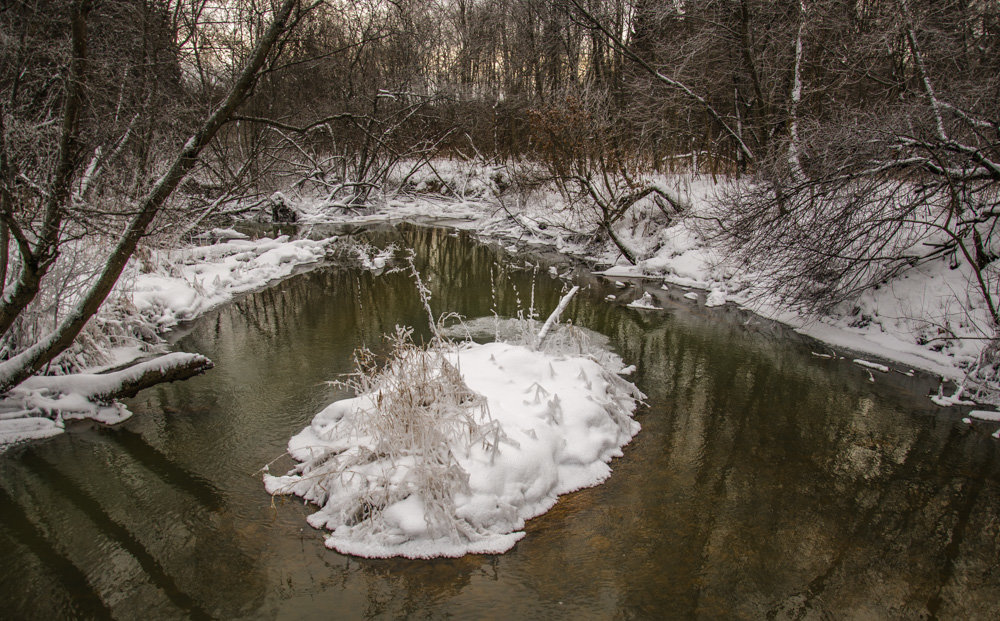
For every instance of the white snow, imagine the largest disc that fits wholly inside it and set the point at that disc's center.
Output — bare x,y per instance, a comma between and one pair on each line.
691,295
646,302
871,365
559,420
950,401
27,425
716,297
190,281
984,415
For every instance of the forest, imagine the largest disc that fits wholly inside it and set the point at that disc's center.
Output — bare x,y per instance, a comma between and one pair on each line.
439,261
855,139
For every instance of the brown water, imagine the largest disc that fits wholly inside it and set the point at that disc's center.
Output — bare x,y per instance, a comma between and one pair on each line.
766,482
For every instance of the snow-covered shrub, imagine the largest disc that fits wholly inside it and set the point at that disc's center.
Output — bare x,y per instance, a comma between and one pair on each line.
116,325
466,179
447,449
400,439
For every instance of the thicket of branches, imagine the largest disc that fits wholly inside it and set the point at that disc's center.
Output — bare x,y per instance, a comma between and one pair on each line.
106,108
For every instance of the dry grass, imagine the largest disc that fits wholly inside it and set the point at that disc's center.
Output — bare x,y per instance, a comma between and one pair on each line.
420,412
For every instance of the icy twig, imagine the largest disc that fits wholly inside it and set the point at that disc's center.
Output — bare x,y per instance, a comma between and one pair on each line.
554,317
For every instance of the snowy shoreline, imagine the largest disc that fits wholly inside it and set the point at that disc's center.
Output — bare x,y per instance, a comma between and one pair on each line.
911,323
164,289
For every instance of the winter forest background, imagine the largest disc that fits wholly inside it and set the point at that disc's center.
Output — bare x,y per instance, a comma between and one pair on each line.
846,143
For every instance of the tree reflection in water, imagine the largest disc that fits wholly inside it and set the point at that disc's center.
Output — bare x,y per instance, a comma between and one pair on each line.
766,482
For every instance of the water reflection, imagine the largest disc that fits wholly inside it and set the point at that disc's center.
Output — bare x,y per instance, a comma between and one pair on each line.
766,482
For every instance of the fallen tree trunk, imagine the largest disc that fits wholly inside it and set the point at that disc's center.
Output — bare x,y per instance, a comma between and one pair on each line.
126,382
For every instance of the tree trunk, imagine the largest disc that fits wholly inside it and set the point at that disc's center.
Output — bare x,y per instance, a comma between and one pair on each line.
29,362
35,262
626,252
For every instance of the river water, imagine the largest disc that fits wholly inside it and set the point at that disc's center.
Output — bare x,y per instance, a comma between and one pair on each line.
766,482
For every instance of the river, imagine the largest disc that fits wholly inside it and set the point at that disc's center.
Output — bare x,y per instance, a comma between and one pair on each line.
766,481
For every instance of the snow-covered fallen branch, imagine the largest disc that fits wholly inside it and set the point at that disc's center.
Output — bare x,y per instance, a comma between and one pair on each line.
37,408
103,387
871,365
554,317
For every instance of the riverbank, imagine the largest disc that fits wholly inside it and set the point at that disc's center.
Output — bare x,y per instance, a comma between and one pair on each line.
917,322
159,290
929,318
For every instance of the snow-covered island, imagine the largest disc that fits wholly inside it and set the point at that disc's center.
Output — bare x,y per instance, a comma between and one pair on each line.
455,446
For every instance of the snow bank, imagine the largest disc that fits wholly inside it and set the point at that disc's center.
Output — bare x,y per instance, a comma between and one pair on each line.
550,425
164,287
190,281
927,318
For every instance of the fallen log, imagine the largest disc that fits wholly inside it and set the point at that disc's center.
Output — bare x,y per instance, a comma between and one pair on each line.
127,382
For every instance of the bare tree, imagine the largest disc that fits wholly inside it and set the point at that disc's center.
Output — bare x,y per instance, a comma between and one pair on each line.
587,156
870,191
36,255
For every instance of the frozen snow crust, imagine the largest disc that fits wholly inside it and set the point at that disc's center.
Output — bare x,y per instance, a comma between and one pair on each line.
542,425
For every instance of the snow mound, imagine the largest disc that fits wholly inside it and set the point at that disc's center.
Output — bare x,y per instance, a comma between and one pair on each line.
460,476
716,297
646,302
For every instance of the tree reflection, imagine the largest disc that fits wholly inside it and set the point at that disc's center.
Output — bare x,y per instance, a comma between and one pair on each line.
766,482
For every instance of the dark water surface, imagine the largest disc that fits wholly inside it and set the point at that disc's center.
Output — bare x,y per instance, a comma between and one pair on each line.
766,482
